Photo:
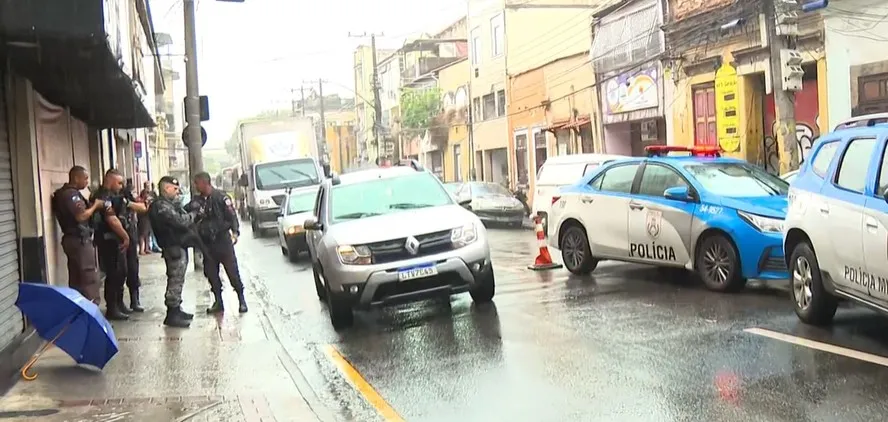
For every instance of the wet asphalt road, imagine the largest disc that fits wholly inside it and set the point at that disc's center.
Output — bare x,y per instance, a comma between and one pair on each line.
630,343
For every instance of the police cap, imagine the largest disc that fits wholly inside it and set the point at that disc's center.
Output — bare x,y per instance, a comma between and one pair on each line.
168,180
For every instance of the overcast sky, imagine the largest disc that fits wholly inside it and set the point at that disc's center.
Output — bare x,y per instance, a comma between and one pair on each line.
252,54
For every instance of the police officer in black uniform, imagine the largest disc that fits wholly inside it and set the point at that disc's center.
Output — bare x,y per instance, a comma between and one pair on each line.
132,252
173,227
219,229
75,216
112,241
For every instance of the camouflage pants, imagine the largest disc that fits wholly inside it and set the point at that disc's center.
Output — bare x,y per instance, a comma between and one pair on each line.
176,259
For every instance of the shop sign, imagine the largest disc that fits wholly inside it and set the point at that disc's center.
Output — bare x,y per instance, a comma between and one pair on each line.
137,149
632,91
727,104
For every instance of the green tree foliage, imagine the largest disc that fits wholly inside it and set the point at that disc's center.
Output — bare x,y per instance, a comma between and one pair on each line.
419,107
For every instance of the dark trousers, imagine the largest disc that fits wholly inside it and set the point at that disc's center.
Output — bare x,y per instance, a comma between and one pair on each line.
114,261
221,252
132,266
83,274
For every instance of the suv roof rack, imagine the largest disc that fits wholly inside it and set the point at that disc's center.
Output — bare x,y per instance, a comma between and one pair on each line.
695,151
866,120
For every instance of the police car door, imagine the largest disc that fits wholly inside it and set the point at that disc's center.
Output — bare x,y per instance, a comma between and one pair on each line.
842,211
605,205
875,227
659,228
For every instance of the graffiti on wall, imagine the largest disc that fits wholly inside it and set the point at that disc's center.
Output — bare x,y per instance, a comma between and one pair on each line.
807,116
805,135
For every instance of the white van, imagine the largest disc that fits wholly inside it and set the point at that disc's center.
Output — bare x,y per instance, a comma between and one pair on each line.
563,170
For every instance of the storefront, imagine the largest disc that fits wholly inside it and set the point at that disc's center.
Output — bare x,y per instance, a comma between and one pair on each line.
633,111
11,322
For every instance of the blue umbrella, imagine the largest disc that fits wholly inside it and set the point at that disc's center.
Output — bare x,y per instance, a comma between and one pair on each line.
63,317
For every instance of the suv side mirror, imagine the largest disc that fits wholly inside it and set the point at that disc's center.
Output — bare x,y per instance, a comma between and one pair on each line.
678,193
464,201
312,223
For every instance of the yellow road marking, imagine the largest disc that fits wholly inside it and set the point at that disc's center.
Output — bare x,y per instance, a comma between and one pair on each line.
823,347
359,383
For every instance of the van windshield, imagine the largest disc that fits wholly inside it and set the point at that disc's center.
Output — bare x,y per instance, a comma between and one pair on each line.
563,174
283,174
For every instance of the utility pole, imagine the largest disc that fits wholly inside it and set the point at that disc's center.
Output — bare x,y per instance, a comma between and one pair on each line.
786,78
302,93
321,111
377,102
192,106
293,102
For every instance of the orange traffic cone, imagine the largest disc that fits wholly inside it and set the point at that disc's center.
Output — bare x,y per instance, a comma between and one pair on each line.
544,259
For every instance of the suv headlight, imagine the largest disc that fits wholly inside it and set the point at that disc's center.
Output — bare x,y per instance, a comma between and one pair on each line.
763,224
462,236
354,255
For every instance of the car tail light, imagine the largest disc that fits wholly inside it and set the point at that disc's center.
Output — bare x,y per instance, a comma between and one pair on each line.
555,199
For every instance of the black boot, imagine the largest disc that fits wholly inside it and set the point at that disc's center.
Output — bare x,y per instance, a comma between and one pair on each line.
134,301
242,303
122,306
217,307
113,313
185,315
174,318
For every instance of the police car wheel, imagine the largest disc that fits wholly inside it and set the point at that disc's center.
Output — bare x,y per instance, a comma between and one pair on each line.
575,251
718,264
812,303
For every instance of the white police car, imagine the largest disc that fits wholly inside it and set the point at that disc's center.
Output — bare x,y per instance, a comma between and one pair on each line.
721,217
836,239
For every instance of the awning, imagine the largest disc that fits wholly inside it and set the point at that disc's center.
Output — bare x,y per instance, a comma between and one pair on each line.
580,122
558,124
63,48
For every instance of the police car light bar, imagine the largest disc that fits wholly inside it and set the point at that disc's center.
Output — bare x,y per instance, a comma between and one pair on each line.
695,151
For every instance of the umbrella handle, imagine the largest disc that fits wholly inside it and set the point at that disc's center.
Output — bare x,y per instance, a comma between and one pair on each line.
29,377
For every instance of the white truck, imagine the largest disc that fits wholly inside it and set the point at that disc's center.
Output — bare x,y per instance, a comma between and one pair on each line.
276,155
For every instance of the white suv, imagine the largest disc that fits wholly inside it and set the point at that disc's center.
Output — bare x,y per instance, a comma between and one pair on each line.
836,238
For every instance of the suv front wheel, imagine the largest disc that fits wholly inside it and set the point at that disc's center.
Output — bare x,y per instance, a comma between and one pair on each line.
484,288
812,303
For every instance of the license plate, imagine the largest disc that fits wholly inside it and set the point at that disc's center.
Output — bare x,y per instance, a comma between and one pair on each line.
418,272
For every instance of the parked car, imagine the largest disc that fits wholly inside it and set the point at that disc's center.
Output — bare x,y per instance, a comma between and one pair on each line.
492,203
560,171
837,223
720,217
297,206
392,235
453,187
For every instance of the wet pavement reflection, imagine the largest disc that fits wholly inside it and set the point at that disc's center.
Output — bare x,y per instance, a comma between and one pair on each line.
630,343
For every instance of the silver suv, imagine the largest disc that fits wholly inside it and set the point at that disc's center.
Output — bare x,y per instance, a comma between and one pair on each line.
393,235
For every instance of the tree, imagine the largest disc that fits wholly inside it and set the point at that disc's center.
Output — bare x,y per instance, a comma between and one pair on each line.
419,107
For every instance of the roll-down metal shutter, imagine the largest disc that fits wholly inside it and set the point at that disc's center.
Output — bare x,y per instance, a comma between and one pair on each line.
11,323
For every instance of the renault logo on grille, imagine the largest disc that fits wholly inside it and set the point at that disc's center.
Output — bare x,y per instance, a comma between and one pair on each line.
412,245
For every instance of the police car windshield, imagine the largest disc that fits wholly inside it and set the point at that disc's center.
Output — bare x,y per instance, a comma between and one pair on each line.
739,180
293,173
386,195
301,202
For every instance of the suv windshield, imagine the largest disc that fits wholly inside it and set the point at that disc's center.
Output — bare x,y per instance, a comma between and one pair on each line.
386,195
293,173
737,180
483,189
301,202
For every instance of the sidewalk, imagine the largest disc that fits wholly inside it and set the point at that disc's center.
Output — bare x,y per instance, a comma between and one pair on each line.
221,369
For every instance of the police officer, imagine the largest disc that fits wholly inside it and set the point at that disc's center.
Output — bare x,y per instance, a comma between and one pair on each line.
219,229
172,224
112,241
74,215
132,210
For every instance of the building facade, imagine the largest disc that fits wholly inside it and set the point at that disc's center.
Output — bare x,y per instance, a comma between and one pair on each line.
59,106
719,80
453,81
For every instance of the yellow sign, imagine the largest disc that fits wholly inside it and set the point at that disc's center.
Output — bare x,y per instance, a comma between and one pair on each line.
727,108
